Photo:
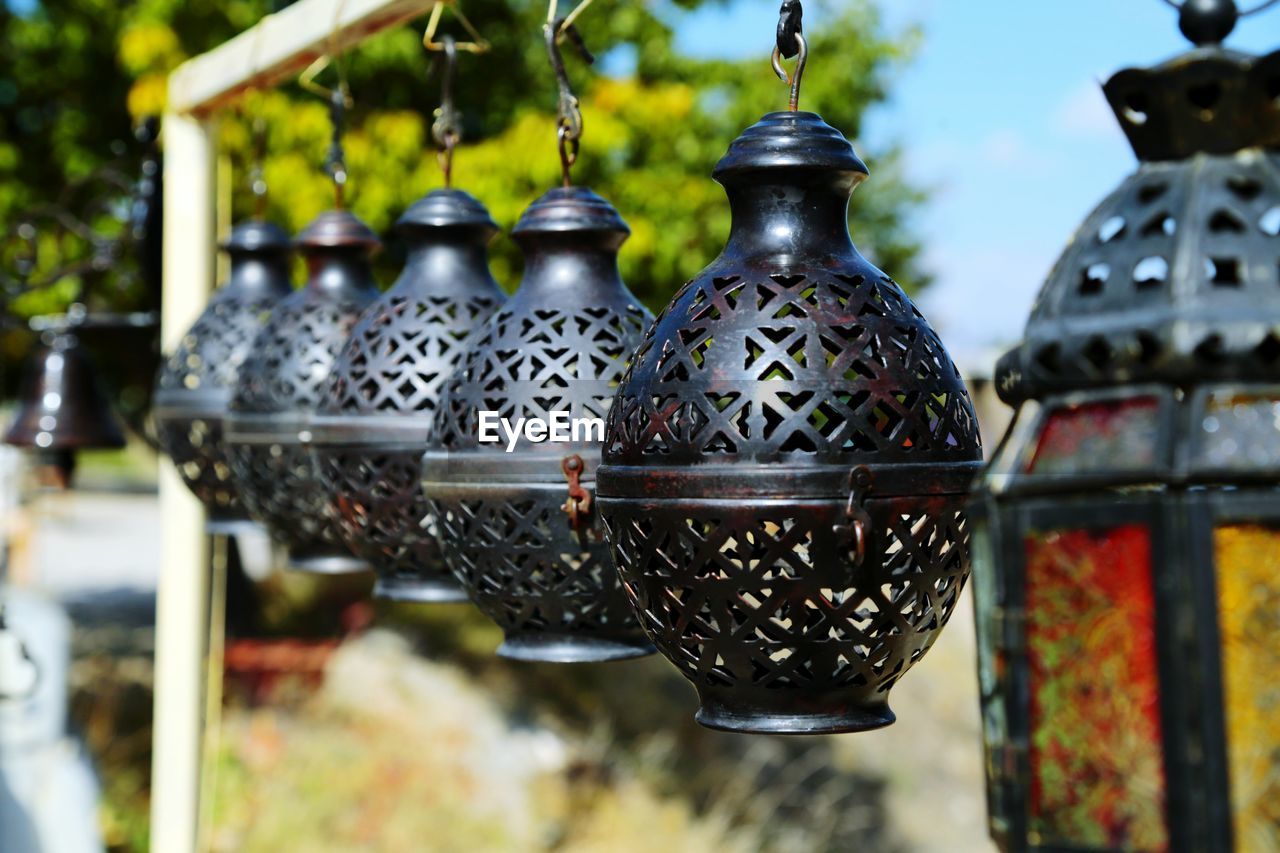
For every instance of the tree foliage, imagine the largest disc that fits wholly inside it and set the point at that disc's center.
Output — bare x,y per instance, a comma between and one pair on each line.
74,71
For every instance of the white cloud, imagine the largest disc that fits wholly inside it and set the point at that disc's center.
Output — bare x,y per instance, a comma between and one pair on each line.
1084,112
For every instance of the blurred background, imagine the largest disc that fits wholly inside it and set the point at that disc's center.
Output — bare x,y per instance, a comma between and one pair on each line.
352,726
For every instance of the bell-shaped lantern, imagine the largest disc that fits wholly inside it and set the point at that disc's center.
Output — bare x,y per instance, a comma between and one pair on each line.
61,403
787,458
281,383
1127,555
386,386
514,514
194,385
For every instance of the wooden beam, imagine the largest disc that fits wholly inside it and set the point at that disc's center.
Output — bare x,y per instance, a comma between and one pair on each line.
280,47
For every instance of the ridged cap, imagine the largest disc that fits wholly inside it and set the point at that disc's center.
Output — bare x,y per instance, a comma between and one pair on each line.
789,140
255,235
444,208
337,229
566,209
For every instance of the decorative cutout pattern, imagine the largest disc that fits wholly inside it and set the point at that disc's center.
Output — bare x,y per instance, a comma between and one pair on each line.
279,487
833,366
767,599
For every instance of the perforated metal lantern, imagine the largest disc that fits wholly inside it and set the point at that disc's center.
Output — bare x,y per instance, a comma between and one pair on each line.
386,385
1128,549
507,521
787,456
195,384
282,382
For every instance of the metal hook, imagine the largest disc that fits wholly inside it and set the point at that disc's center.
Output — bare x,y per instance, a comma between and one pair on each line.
478,43
790,42
568,109
446,129
339,102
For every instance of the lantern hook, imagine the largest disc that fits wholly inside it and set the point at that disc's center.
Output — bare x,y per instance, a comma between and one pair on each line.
446,130
568,109
856,525
478,43
578,506
790,42
340,101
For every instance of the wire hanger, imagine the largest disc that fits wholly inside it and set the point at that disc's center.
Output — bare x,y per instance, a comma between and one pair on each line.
478,43
568,108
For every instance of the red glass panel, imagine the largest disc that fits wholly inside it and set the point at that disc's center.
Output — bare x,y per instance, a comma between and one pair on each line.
1097,768
1117,435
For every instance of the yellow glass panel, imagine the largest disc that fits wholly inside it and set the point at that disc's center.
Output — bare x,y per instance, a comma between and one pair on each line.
1247,557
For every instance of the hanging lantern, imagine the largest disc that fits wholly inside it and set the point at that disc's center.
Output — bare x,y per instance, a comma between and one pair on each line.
386,384
786,459
61,405
282,382
515,521
194,386
1128,549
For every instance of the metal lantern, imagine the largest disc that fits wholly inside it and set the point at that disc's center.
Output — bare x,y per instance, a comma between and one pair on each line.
282,382
194,386
787,457
517,527
1128,547
386,387
61,404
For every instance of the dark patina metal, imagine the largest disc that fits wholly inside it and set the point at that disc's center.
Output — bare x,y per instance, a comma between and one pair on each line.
1159,329
61,403
559,345
377,413
195,384
282,382
787,457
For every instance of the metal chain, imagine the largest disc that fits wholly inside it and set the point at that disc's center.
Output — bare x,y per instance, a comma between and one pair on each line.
446,130
568,109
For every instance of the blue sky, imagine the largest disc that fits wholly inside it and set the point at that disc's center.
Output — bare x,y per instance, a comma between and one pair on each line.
1002,115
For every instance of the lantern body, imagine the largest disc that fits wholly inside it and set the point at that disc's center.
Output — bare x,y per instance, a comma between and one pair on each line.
1127,531
194,385
560,344
789,409
281,383
376,416
61,403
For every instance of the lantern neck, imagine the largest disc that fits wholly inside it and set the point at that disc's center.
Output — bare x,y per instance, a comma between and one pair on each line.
790,214
569,270
340,273
447,265
259,275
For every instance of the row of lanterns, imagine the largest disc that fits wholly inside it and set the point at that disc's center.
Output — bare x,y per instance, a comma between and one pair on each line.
780,504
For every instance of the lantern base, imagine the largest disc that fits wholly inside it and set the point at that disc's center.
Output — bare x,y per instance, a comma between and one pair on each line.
230,526
327,564
433,590
793,715
567,648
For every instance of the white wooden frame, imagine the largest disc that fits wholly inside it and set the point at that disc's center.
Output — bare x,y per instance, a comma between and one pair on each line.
277,48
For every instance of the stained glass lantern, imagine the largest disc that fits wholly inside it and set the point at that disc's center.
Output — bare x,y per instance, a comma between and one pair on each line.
281,383
376,415
194,386
1128,543
517,528
788,455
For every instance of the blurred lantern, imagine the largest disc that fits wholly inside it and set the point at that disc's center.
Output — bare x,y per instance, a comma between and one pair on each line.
62,407
386,383
195,384
518,528
1129,544
787,457
283,380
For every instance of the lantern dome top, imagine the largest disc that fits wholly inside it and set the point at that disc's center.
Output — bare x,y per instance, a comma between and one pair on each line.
444,208
1175,277
790,140
257,236
566,209
1209,100
337,229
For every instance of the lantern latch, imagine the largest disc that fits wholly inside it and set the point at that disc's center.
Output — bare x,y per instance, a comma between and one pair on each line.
856,526
578,506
